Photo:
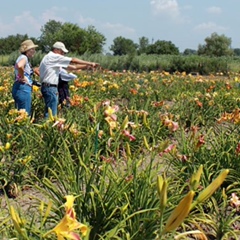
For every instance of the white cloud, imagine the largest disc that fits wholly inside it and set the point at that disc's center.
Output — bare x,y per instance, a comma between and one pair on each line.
52,14
111,31
169,7
86,21
210,27
32,28
214,10
118,29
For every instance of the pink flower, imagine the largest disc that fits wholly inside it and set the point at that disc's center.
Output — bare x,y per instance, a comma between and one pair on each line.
168,149
238,149
126,133
172,126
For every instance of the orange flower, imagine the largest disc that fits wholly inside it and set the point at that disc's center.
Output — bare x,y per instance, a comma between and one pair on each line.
199,103
133,91
201,141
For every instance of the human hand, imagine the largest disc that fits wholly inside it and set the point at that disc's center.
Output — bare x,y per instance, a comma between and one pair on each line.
23,80
94,65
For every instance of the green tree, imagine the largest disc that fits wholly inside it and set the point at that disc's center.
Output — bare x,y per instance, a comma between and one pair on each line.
123,46
49,34
163,47
216,46
72,36
143,45
236,51
93,41
12,43
189,51
75,38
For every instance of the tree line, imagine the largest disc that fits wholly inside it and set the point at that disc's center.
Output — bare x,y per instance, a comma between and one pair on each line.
81,41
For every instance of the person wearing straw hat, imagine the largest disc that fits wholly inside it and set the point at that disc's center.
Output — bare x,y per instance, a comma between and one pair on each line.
50,67
23,71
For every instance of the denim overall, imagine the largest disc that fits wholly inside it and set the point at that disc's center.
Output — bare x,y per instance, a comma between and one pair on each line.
22,92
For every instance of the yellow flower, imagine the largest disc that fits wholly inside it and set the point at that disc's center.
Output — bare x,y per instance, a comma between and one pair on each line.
7,146
111,122
109,111
35,88
65,228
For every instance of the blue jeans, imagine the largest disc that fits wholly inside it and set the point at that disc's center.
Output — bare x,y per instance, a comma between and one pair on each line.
22,95
50,95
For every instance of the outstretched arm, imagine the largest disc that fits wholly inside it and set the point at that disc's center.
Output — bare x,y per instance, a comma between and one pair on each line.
75,68
76,61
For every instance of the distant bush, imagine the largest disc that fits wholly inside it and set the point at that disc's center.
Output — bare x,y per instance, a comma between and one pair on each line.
145,63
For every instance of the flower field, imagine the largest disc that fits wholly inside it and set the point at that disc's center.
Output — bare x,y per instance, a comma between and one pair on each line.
137,156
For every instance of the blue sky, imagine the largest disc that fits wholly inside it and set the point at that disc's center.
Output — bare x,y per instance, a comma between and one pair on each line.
186,23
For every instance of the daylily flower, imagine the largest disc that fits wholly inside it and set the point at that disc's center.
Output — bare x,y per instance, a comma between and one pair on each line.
201,141
234,201
106,103
228,86
238,149
110,111
133,91
60,124
76,100
200,104
112,123
168,149
100,133
134,125
173,126
65,228
126,133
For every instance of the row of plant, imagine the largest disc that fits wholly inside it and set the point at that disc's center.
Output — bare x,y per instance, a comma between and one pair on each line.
202,65
136,156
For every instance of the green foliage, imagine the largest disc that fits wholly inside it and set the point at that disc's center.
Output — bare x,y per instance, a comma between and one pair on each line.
174,119
189,51
123,46
140,63
216,46
76,39
48,35
12,43
236,51
143,45
163,47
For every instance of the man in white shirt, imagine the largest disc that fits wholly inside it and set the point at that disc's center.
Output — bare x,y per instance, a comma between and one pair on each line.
49,74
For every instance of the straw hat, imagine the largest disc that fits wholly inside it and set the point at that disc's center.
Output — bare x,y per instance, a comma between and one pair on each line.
26,45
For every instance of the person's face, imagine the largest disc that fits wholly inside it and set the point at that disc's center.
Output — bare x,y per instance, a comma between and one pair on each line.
31,52
61,52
